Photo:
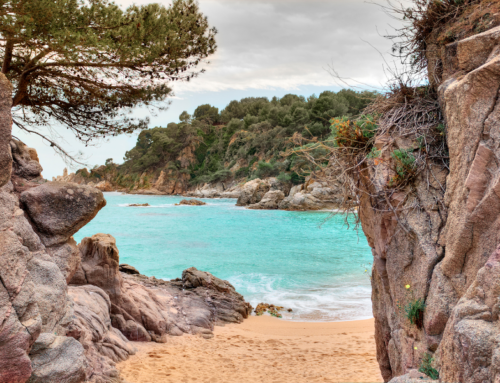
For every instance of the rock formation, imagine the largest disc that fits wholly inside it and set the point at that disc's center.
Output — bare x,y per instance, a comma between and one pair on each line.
51,332
441,245
191,202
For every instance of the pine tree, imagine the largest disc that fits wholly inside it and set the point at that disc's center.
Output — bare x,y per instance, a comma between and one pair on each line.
85,64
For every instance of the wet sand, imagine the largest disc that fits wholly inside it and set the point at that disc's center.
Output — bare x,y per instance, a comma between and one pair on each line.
262,349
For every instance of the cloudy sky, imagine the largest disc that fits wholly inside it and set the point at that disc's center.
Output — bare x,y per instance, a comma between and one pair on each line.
265,48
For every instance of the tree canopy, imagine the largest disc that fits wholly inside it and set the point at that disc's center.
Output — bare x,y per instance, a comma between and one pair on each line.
85,63
248,141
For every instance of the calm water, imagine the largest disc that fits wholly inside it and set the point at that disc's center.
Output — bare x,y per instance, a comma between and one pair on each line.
301,260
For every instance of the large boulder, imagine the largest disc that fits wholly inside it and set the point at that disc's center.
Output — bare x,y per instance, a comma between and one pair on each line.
252,192
58,210
271,200
57,359
5,129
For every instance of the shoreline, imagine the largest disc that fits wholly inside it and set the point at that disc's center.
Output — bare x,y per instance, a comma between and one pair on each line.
263,349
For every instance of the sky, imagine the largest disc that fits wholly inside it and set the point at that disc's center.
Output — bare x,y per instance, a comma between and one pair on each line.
266,48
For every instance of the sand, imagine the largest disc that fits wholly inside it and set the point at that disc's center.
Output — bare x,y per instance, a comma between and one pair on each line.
262,349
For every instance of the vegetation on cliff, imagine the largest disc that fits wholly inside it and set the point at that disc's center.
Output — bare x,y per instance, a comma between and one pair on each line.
249,138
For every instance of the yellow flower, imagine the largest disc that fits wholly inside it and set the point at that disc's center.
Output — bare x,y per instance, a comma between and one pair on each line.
414,348
407,287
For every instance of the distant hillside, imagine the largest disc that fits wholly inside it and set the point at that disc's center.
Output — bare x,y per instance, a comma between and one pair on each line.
243,141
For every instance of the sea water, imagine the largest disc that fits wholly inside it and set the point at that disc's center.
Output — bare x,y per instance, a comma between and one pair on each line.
310,262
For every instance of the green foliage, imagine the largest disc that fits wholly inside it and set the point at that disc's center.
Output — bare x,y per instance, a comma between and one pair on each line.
248,131
426,367
266,169
406,164
353,134
415,312
85,64
374,153
284,177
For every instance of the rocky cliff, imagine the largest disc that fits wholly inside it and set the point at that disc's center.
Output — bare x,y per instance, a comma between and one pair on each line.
67,313
436,240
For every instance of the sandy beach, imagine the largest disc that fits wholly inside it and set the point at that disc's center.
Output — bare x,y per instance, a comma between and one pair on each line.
262,349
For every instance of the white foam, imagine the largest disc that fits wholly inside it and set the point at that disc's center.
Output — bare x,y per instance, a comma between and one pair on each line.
342,302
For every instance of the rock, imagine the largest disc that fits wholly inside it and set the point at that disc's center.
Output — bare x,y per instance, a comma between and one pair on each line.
469,350
57,359
146,309
20,320
271,200
67,257
5,129
104,345
58,210
413,377
127,269
139,205
191,202
252,192
24,166
99,265
104,186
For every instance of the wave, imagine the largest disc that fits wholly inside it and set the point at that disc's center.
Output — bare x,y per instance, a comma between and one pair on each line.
346,301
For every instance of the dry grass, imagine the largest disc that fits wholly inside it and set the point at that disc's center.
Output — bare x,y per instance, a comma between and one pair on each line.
440,22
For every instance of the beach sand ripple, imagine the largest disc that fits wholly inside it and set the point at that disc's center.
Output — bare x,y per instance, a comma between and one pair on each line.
262,349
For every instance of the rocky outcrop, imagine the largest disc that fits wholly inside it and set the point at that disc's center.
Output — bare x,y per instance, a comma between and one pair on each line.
146,309
104,345
191,202
105,186
271,200
35,310
437,239
57,359
58,209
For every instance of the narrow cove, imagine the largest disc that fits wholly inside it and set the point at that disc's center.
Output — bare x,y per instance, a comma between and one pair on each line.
308,261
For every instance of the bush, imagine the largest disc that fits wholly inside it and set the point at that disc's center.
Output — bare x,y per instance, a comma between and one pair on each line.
426,367
353,134
415,312
406,165
266,169
297,179
242,172
284,177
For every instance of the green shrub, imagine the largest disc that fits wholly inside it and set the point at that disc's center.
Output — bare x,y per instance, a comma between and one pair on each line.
284,177
415,312
242,172
426,367
406,164
297,179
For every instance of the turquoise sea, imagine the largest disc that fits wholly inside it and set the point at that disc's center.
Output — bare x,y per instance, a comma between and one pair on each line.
308,261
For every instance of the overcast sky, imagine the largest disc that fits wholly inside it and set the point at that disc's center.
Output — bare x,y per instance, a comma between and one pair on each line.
265,48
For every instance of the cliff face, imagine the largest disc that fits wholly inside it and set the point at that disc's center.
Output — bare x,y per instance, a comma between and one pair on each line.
441,244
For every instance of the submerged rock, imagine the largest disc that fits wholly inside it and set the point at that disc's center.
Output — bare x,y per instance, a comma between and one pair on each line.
139,205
